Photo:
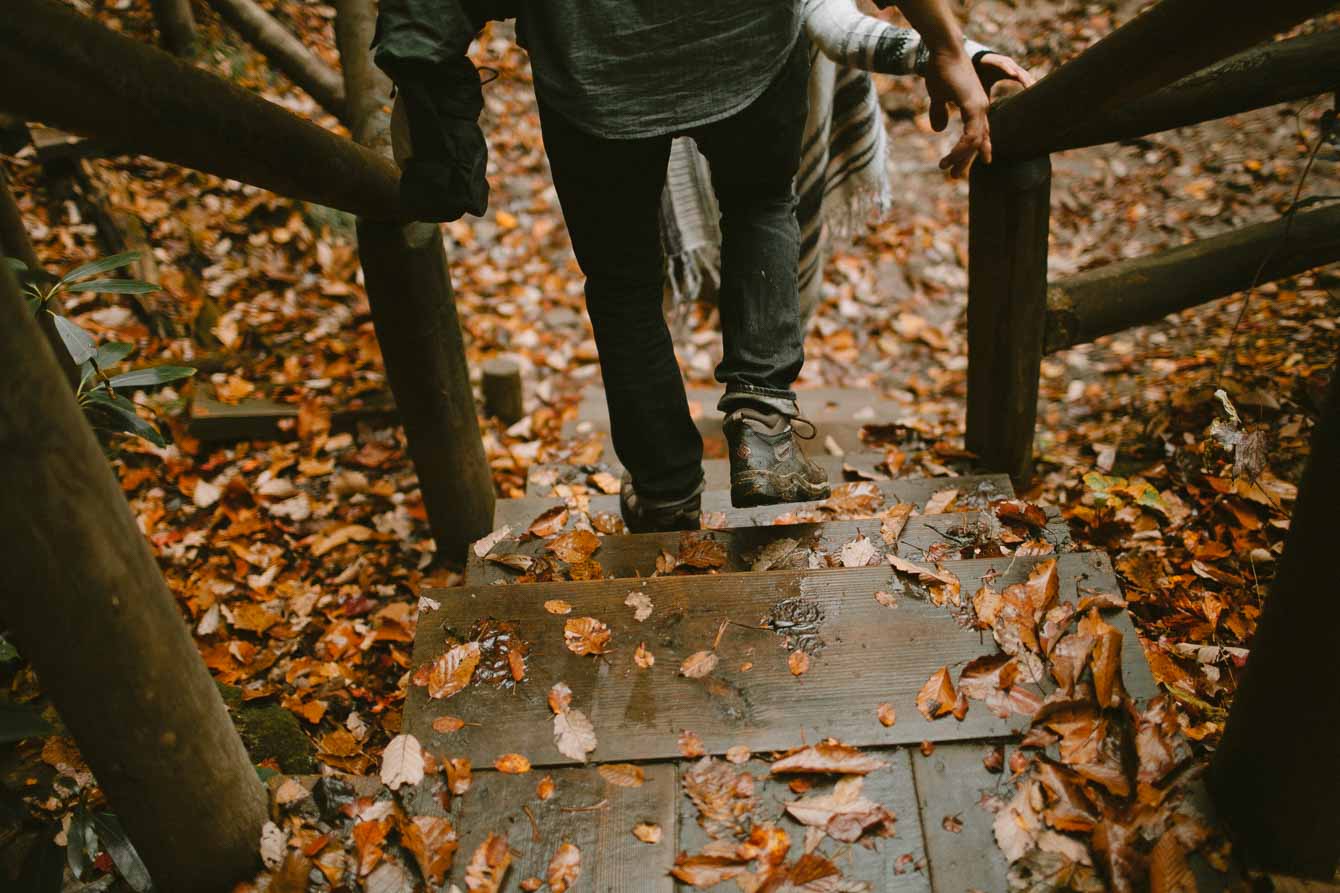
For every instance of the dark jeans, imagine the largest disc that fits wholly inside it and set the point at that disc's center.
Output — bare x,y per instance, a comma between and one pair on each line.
610,191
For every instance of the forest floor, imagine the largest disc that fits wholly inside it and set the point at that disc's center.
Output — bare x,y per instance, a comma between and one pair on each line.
299,561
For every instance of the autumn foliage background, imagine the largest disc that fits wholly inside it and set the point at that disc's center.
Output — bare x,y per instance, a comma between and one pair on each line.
298,561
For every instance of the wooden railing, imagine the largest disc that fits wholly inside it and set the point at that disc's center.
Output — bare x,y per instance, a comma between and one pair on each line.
1273,777
1146,77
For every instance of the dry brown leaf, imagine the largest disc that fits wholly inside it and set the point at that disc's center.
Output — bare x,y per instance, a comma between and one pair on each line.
799,662
936,697
698,664
738,754
448,724
575,547
642,657
886,715
574,736
690,745
512,764
722,795
701,551
432,842
640,602
557,606
564,868
1169,870
368,838
451,672
845,814
586,635
707,870
545,789
625,775
1018,512
943,585
549,523
894,519
605,482
886,599
986,606
1105,658
827,757
860,552
941,501
560,697
402,762
459,774
488,865
647,832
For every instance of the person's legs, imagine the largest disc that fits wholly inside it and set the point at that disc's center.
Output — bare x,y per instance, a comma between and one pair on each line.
754,156
610,191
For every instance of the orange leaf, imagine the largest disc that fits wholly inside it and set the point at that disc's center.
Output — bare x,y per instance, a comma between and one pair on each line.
557,606
698,664
936,697
586,635
512,764
799,662
625,775
886,715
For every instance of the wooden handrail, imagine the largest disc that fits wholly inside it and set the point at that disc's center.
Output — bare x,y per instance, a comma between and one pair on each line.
1259,77
62,68
1146,289
1167,42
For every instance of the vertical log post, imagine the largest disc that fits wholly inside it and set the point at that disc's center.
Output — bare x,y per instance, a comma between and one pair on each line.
1274,777
87,605
1009,219
500,382
176,26
414,312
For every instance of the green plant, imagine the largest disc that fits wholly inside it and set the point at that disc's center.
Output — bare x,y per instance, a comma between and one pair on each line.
97,393
93,833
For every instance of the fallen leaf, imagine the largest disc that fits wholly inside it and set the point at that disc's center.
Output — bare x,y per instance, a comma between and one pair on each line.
994,761
940,501
827,757
625,775
459,774
894,519
952,823
774,554
451,672
560,697
605,482
206,494
799,662
886,599
860,552
698,664
488,865
886,715
574,736
448,724
574,547
586,635
936,697
550,522
690,745
738,754
485,546
349,533
640,602
557,606
845,814
986,606
1169,870
1017,826
512,764
564,868
943,585
701,551
432,842
402,762
545,789
368,838
723,796
642,657
647,832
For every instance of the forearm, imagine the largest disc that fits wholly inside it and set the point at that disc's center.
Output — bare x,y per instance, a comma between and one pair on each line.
849,37
934,21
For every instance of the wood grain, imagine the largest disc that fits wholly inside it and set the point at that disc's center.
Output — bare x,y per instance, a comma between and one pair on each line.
951,782
871,654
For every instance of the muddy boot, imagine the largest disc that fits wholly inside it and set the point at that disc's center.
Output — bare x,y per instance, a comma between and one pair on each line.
767,465
653,514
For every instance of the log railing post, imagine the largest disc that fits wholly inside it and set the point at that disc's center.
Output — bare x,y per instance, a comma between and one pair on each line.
1009,220
1274,777
414,312
176,26
84,599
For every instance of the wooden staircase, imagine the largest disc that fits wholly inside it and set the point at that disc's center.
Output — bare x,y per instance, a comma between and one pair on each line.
776,586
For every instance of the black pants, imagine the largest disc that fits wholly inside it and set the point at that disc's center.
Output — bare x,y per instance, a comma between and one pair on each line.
610,191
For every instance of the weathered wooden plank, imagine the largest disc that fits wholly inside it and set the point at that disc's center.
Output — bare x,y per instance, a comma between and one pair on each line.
871,654
634,555
975,490
950,783
896,864
261,418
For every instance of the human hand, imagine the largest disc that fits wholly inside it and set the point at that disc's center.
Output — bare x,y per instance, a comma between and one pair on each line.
997,68
950,78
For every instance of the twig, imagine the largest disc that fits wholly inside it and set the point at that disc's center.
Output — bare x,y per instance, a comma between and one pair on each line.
594,807
534,825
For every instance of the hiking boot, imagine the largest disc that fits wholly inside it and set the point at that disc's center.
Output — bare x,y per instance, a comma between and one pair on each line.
767,465
655,514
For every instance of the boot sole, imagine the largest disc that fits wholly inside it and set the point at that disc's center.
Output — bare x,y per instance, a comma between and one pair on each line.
751,489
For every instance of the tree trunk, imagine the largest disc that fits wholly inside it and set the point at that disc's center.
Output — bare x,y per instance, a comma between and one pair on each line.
81,593
60,67
1274,776
176,26
1008,221
414,312
284,51
1170,40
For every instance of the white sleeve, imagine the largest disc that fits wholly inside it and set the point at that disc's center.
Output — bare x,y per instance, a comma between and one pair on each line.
850,37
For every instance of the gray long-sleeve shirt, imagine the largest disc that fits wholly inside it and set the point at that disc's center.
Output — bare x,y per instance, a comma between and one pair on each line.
624,69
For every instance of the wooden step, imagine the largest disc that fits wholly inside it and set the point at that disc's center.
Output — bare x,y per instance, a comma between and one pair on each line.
957,535
871,654
975,491
542,480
